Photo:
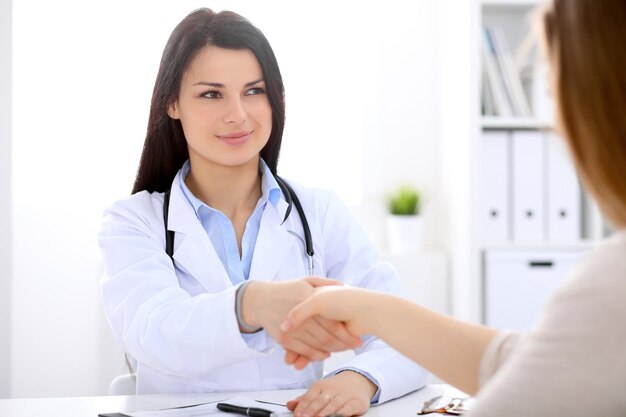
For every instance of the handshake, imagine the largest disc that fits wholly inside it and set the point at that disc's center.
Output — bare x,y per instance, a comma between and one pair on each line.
309,317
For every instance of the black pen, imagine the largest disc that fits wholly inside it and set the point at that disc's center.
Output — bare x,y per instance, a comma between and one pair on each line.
246,411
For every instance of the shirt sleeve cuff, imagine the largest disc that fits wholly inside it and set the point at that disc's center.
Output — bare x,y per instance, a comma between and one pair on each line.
496,353
376,396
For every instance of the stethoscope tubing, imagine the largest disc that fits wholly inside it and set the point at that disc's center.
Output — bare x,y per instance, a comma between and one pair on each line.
292,200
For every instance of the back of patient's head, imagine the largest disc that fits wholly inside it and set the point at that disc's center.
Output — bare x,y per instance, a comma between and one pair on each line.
586,48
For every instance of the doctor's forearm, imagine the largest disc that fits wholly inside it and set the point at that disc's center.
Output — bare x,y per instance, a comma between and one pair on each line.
449,348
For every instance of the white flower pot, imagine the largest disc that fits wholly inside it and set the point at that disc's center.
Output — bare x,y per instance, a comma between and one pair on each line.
404,233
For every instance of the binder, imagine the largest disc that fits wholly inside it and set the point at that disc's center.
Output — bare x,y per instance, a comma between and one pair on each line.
502,104
563,193
542,101
495,166
528,186
509,73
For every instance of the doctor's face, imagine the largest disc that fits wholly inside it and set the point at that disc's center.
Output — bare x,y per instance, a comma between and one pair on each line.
223,108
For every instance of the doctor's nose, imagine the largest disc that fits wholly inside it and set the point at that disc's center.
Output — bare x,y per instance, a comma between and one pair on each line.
235,112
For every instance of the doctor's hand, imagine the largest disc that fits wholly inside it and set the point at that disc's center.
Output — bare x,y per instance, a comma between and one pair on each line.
266,304
348,393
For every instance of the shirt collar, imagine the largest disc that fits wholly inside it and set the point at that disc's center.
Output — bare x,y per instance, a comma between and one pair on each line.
269,187
270,190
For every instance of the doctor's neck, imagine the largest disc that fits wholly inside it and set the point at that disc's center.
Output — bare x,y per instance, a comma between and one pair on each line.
231,190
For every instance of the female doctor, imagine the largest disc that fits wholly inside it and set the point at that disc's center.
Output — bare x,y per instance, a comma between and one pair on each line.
205,259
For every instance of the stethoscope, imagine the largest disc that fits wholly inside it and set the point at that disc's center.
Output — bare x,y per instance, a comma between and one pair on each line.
290,196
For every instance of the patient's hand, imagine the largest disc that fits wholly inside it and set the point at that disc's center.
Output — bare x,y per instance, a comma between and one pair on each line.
335,304
266,304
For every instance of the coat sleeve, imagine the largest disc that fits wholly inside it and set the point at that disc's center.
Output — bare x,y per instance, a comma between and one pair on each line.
352,258
155,320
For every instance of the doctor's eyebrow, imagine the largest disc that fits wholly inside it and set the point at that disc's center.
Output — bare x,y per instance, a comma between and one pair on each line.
220,85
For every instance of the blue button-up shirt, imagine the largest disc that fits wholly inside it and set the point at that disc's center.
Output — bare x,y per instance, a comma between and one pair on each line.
221,231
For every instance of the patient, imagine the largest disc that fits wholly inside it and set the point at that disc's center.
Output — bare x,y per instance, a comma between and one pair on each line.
573,362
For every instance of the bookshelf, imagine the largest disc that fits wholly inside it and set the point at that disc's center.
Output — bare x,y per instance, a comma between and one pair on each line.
514,18
465,159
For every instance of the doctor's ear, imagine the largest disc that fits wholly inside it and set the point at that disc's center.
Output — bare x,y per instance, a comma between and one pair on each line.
172,111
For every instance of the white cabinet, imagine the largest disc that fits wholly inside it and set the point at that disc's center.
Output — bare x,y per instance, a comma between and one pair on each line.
517,283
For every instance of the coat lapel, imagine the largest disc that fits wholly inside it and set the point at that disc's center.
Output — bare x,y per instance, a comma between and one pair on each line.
193,250
275,246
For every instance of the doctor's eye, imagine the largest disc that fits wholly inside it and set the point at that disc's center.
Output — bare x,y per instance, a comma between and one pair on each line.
255,91
212,94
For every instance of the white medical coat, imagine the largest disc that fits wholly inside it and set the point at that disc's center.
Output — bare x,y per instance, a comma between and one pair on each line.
177,322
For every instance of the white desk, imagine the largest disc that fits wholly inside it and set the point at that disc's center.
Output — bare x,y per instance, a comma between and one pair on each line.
91,406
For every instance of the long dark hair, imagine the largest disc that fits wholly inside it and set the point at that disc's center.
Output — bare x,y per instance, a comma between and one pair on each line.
165,148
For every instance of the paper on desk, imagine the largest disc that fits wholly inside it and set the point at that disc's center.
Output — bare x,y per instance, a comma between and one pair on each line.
210,409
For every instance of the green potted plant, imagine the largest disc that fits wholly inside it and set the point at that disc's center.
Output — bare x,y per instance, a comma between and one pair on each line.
404,223
404,202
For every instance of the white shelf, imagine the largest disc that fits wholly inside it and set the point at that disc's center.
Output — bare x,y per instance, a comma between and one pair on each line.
513,123
547,246
510,3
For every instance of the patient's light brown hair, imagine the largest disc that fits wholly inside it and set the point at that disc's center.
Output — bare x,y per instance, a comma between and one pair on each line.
585,43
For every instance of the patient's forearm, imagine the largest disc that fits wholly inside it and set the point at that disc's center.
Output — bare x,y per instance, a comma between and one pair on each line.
449,348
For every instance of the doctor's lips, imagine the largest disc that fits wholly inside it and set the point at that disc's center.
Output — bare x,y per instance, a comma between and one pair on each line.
235,138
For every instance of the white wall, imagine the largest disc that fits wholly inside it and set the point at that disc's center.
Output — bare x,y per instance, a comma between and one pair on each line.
400,131
458,85
5,196
361,82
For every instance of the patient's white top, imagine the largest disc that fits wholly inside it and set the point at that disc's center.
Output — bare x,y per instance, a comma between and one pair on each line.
573,362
